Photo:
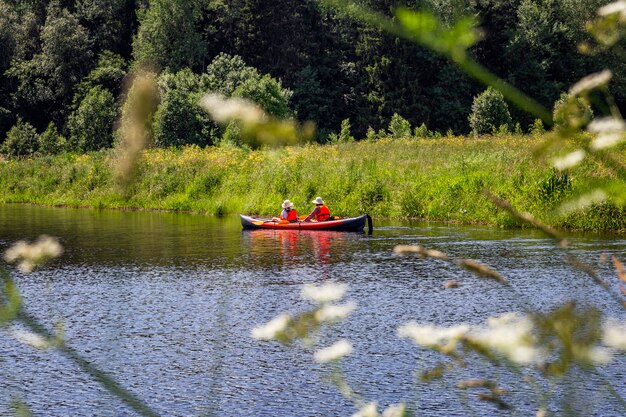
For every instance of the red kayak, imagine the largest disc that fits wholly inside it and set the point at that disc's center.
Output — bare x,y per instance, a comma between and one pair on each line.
351,224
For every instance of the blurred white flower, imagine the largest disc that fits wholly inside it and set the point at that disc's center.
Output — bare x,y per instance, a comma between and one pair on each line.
330,312
511,335
272,328
368,410
585,200
569,160
333,352
614,335
324,293
431,336
596,354
30,256
615,7
395,410
30,339
591,82
224,110
610,131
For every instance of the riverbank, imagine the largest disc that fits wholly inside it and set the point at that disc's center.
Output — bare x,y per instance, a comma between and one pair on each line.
436,179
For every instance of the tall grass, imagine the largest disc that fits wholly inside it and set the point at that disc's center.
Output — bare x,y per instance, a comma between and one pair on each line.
437,179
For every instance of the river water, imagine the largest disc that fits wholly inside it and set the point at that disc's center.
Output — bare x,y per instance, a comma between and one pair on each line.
166,302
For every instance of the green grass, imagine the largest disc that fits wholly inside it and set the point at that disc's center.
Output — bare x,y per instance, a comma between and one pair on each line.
437,179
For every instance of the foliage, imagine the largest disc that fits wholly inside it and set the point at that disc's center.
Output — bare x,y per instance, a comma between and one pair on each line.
399,127
47,79
344,135
91,125
571,112
537,127
6,121
489,112
51,142
267,93
22,140
169,36
109,73
178,119
225,73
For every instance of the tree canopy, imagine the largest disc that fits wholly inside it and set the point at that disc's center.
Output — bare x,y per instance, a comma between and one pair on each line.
295,58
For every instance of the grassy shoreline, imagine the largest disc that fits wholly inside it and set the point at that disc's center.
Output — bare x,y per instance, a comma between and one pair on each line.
433,179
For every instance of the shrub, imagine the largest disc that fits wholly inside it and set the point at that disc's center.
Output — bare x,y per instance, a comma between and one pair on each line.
232,135
489,112
51,142
22,140
267,93
91,124
537,127
370,135
399,127
225,73
571,112
421,131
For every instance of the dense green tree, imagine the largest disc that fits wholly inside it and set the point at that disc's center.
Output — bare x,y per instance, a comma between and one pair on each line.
267,93
111,23
178,119
91,124
489,112
51,142
45,82
22,140
225,73
169,36
109,73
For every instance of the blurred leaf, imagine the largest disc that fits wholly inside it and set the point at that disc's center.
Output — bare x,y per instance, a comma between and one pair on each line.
10,299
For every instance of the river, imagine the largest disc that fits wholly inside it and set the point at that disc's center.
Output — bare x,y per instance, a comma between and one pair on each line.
165,302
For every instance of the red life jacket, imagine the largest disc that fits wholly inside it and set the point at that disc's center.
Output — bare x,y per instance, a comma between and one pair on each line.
323,215
292,216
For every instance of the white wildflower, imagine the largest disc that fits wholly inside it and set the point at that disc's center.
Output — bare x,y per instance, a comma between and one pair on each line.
223,110
597,355
333,352
585,200
30,256
614,335
395,410
431,336
368,410
569,160
610,132
615,7
272,328
607,140
330,312
591,82
30,339
325,293
510,335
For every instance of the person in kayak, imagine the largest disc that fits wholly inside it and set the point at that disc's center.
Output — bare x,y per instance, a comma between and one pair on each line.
288,213
320,213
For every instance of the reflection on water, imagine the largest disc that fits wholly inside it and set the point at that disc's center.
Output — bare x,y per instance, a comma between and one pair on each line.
166,303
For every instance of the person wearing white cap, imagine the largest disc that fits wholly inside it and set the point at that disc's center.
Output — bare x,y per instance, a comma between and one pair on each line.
288,213
320,213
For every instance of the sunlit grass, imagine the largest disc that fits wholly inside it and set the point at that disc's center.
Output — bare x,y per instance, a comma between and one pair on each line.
438,179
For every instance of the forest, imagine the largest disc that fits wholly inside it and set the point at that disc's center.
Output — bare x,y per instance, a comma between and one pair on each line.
63,66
